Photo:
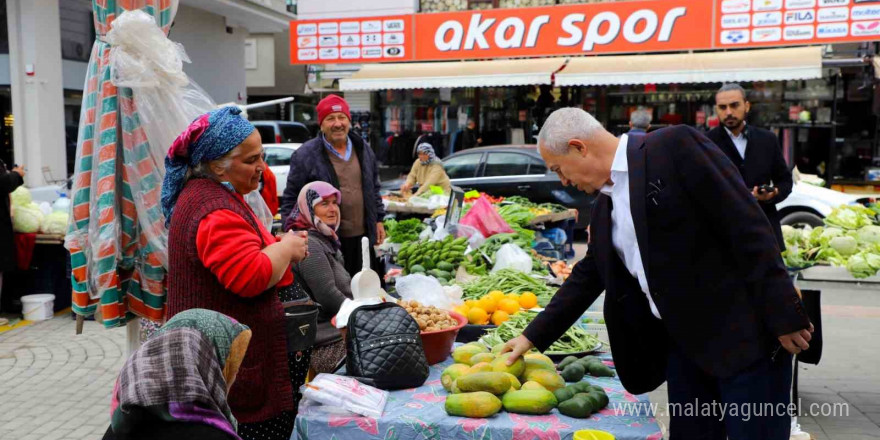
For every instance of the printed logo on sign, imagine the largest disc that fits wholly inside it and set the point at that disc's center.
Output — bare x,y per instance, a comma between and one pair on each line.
734,37
831,30
735,21
392,25
307,42
350,53
307,29
328,28
766,34
767,19
823,3
349,27
799,17
371,26
328,53
866,12
394,51
371,40
866,28
799,4
832,14
371,52
307,54
349,40
767,5
328,40
798,33
393,39
733,6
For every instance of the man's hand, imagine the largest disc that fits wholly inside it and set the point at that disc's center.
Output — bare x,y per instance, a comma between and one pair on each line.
21,172
796,342
766,196
380,233
517,346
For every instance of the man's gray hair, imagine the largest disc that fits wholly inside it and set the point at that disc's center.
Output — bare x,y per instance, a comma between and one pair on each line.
564,125
731,87
640,119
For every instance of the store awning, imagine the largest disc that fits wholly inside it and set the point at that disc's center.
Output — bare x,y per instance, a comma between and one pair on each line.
453,74
733,66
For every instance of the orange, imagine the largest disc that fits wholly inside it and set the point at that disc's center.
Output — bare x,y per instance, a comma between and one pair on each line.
513,296
471,303
497,295
462,310
488,304
508,305
499,317
528,300
477,316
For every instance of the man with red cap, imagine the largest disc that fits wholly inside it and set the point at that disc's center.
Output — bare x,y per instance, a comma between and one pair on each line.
347,162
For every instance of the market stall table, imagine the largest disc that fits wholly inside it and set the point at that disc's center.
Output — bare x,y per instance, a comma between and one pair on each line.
399,208
420,413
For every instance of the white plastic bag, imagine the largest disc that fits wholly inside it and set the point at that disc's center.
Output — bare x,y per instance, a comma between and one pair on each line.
347,393
474,237
258,205
511,256
424,289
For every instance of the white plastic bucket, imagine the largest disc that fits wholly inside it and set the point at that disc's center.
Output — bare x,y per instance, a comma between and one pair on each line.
38,307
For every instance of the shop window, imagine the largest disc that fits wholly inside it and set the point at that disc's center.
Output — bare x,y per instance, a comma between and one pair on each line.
278,156
537,167
507,164
462,167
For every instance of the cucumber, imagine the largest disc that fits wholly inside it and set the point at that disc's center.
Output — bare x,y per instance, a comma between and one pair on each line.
443,265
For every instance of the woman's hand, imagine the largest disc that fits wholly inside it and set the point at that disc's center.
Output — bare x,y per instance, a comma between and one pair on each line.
297,243
405,188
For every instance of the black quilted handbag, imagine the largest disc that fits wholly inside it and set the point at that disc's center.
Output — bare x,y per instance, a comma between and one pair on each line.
384,349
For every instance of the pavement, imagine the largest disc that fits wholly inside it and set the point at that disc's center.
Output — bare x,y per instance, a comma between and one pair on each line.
57,385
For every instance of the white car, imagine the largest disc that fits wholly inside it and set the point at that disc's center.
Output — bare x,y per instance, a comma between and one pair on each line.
809,204
278,159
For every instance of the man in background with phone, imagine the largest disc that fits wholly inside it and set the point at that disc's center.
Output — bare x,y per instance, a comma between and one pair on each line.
755,152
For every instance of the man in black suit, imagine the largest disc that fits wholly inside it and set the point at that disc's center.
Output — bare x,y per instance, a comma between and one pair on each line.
695,290
755,152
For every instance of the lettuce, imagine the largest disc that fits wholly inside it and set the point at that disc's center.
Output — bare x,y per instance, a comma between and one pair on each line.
844,245
27,218
55,223
21,196
860,265
850,217
868,235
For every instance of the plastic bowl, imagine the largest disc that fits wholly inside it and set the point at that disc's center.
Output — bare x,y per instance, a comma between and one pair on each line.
437,344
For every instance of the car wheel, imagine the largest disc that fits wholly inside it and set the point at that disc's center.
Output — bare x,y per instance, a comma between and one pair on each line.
801,219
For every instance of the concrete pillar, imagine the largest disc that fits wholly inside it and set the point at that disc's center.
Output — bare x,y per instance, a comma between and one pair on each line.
37,98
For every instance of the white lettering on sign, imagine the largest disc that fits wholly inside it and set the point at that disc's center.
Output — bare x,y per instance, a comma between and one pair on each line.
476,33
766,34
307,54
371,52
535,29
394,51
866,28
832,14
330,53
444,43
831,30
371,39
307,42
799,17
766,5
392,25
350,53
371,26
349,27
575,35
734,37
307,29
767,19
593,36
823,3
735,21
393,39
349,40
328,40
513,26
798,33
866,12
734,6
629,27
799,4
328,28
669,22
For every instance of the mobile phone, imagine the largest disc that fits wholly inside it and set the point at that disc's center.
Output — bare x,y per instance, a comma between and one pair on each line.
766,188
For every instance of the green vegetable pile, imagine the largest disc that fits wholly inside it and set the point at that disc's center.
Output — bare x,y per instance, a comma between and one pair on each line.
520,200
437,258
575,340
515,214
509,281
856,248
404,231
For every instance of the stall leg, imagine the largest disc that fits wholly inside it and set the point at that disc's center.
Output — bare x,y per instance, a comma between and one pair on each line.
132,336
80,320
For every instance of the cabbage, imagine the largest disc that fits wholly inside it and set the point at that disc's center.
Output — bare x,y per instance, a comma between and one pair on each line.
869,234
873,260
844,245
55,223
828,234
21,196
27,218
850,217
863,264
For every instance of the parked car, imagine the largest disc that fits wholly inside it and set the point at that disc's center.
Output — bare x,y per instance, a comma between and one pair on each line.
277,156
282,132
808,205
510,170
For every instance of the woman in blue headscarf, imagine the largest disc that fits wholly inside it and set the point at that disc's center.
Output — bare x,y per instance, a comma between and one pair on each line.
222,258
427,171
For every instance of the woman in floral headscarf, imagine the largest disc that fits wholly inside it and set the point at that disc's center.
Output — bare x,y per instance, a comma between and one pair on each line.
222,258
323,272
427,171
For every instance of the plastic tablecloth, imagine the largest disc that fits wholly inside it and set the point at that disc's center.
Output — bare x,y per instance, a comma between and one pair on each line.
419,414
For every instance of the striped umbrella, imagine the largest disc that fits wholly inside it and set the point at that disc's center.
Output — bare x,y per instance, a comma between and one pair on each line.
116,190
